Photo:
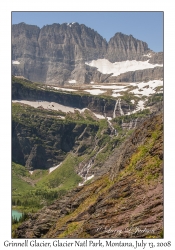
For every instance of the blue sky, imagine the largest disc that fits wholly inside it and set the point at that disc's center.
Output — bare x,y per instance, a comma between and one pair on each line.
145,26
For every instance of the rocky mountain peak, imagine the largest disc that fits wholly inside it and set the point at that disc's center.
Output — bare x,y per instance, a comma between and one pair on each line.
122,47
57,53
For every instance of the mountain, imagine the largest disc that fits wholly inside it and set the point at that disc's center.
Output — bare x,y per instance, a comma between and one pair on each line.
61,54
125,202
87,134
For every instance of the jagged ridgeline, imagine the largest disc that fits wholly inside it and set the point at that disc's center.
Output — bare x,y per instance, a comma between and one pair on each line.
74,53
87,134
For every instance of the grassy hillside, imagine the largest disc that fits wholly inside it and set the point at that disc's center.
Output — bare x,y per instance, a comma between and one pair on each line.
31,192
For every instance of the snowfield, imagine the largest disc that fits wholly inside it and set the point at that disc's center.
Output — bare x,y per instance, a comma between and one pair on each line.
55,106
115,95
99,116
64,89
95,91
15,62
146,88
53,168
46,105
117,68
140,106
109,87
72,81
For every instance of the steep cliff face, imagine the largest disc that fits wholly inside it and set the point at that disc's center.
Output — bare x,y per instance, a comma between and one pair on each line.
122,47
57,53
52,52
127,202
45,141
43,138
26,90
138,75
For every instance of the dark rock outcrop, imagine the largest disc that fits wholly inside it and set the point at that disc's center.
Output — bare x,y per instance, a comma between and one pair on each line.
94,103
44,141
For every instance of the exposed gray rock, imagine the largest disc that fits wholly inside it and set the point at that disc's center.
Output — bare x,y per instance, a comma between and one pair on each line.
56,54
51,53
157,58
138,75
122,47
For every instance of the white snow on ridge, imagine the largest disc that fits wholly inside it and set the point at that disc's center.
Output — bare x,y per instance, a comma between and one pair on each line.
95,91
90,177
58,88
146,88
116,95
148,55
53,168
72,81
117,68
109,87
46,105
15,62
55,106
140,106
99,116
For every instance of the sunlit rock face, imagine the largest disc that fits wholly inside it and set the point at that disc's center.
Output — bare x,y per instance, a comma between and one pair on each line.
62,54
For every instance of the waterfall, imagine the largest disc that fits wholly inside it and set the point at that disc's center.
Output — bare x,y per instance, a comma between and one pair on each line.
84,172
135,122
120,109
104,111
115,108
118,102
130,124
112,128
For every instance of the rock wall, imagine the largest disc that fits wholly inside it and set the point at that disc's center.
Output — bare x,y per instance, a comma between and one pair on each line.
138,75
94,103
57,53
46,143
122,47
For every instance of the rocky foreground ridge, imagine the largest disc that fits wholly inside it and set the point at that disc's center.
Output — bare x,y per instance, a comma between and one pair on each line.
56,54
125,202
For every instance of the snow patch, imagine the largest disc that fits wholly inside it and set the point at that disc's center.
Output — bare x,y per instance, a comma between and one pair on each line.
31,172
140,106
72,81
15,62
116,95
99,116
64,89
132,101
54,106
146,88
90,177
148,55
53,168
116,87
109,118
117,68
46,105
95,91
